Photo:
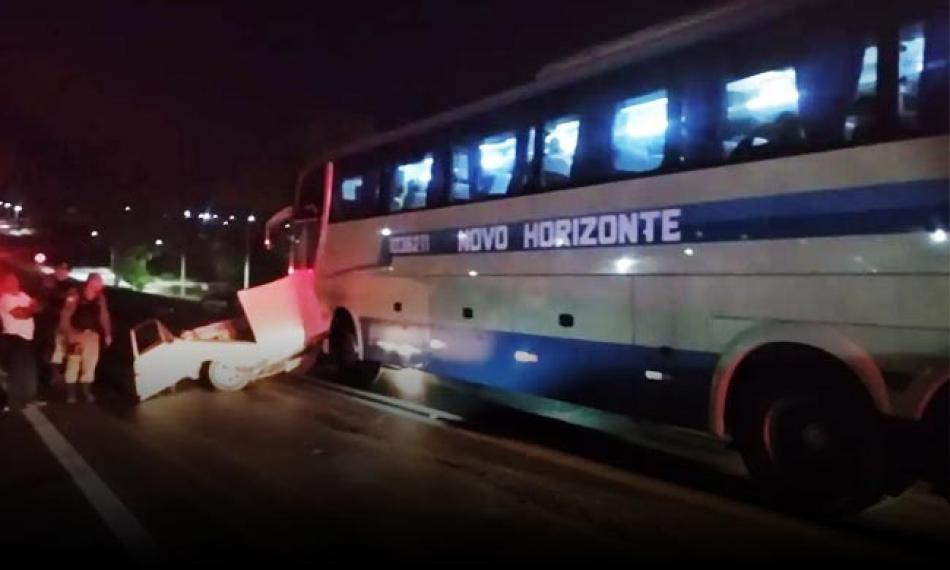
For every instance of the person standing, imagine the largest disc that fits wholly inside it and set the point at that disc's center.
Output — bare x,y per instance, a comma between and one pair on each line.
50,339
86,322
16,313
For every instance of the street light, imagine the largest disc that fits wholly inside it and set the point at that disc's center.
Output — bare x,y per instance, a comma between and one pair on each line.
128,208
94,233
247,250
159,242
187,214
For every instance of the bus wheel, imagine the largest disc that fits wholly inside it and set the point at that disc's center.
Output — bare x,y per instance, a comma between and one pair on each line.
814,450
936,428
344,357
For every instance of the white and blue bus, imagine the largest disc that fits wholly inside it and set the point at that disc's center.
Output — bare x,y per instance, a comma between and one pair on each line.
735,222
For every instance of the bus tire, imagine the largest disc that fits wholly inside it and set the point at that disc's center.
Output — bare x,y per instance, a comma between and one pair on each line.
344,355
936,434
223,377
814,450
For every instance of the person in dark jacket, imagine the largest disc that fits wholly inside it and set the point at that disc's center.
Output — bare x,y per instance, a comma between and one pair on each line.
86,322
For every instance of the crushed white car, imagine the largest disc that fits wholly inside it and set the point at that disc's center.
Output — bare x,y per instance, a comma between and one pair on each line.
283,323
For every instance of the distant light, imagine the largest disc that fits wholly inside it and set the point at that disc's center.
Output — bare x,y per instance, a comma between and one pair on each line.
18,208
215,216
7,205
159,242
689,251
187,214
525,357
128,208
939,235
655,375
267,243
286,226
40,258
472,273
385,232
251,219
94,233
623,264
290,270
225,222
232,217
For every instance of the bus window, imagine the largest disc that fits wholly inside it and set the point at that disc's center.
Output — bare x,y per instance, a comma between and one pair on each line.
346,198
934,88
496,164
529,155
311,192
411,183
560,142
910,66
861,116
762,115
638,135
461,175
350,188
355,196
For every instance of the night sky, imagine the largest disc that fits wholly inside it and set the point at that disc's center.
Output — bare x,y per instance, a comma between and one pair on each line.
185,104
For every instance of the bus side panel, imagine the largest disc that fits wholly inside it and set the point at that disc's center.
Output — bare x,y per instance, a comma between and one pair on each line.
647,340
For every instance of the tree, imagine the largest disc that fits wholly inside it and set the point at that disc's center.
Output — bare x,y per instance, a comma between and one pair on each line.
132,266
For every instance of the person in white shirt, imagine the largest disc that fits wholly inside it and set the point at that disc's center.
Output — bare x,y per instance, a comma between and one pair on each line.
16,313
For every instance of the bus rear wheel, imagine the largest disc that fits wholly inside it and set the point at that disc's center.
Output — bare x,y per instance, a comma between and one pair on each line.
814,450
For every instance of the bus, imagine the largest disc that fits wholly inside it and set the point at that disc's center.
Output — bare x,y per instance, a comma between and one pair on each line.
733,223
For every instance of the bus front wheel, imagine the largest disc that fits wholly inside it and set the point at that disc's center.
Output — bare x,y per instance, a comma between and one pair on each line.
344,355
814,450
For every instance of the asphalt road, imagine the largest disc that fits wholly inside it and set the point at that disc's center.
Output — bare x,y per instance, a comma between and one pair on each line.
298,470
291,470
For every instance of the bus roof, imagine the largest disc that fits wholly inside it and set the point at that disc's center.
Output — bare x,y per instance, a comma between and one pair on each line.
648,42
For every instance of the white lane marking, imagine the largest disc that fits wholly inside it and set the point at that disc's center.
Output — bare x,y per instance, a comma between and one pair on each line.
117,517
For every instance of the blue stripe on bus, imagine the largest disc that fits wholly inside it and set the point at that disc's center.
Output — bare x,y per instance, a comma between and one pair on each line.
880,209
605,375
